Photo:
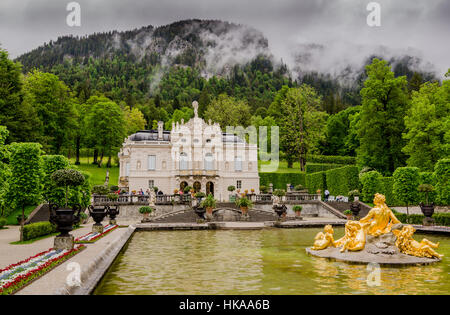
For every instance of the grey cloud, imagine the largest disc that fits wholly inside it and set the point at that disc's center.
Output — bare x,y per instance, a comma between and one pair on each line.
406,24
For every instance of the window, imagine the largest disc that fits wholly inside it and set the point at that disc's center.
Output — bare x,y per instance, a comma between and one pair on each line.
127,169
151,183
238,164
152,162
209,162
239,184
183,161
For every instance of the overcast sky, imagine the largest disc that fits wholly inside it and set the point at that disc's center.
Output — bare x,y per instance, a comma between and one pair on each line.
421,26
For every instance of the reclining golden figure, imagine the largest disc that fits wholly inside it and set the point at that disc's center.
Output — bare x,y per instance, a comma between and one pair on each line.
407,245
324,239
354,238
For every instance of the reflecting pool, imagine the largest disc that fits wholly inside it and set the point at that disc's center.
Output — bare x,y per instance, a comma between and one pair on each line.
269,261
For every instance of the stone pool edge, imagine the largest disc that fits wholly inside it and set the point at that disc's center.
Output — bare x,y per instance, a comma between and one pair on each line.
97,268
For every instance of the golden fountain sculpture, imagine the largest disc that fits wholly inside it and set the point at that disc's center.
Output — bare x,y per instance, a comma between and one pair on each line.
379,221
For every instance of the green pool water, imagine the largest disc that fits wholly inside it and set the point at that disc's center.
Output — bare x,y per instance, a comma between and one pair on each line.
270,261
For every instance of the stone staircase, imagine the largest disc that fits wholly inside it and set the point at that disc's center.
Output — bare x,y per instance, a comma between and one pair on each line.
40,213
342,206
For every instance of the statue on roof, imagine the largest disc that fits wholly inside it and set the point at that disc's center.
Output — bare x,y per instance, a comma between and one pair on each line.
195,105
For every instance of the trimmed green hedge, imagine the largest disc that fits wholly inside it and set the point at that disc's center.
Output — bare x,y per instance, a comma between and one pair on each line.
279,180
439,218
341,180
320,167
34,230
386,188
371,184
316,181
442,176
331,159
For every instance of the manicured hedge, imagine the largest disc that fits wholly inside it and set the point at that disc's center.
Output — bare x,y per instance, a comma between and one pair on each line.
316,181
279,180
320,167
371,184
386,184
442,176
341,180
439,218
406,182
34,230
331,159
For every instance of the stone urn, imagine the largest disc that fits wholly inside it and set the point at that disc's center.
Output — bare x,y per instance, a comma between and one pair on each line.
98,213
113,211
64,219
280,210
355,208
200,211
428,211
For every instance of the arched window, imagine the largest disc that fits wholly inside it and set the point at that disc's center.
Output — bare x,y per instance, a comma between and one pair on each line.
183,161
237,164
209,162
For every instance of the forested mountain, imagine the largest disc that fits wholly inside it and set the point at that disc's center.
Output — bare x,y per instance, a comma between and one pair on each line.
171,65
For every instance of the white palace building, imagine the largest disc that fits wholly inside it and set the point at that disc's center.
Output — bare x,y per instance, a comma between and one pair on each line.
194,153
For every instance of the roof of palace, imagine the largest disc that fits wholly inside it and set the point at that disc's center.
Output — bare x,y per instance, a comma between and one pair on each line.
149,135
152,135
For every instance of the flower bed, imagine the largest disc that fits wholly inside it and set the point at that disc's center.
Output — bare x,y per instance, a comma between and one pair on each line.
16,276
93,237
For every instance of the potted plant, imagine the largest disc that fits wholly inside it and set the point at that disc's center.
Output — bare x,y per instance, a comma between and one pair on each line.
231,197
353,195
155,189
244,204
200,195
252,191
263,189
65,217
297,209
145,211
298,187
279,193
113,197
349,214
209,203
427,208
100,190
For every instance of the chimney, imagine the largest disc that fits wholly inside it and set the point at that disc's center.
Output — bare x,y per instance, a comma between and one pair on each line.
160,130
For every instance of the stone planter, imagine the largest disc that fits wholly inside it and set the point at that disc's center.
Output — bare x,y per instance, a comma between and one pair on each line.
209,214
200,211
113,211
64,219
244,210
298,213
355,208
428,211
98,213
280,210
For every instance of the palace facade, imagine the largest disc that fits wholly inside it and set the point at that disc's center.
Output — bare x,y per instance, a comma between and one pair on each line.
195,153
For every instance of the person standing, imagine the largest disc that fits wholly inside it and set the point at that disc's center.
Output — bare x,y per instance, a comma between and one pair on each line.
327,194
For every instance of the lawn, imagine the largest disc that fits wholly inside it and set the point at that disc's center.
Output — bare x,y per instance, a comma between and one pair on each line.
282,167
12,218
98,174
